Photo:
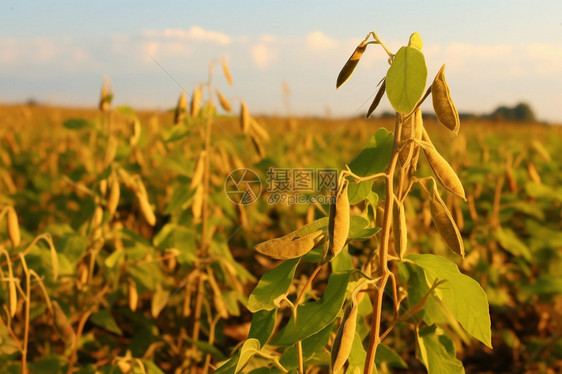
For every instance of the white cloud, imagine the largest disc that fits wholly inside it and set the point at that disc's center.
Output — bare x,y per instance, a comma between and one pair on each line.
317,40
263,55
195,33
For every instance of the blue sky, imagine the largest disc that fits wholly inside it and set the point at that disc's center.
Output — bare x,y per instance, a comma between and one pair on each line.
497,52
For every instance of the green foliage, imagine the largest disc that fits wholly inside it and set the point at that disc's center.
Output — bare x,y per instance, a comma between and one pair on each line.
405,80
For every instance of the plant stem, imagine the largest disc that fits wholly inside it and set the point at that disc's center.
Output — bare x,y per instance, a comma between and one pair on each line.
296,304
374,338
27,307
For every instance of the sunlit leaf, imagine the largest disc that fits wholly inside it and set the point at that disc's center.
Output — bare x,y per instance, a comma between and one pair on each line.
405,79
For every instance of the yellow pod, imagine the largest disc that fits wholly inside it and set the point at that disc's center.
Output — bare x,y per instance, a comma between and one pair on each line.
146,209
533,173
225,104
13,227
196,101
445,224
289,246
227,72
199,171
197,205
441,168
244,118
258,130
343,342
114,194
443,104
133,295
338,223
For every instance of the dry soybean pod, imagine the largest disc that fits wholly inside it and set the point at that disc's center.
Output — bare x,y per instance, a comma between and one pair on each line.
344,338
258,130
133,295
114,194
533,173
444,223
12,295
244,117
412,128
288,246
351,63
443,171
62,323
146,209
13,227
197,205
338,224
225,104
195,101
377,99
217,295
257,145
227,72
199,171
443,104
181,108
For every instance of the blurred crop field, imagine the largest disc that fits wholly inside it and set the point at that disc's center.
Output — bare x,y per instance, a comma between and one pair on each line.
124,264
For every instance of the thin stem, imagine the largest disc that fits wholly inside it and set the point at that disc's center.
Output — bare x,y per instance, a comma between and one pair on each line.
296,304
301,360
374,338
197,319
27,307
390,54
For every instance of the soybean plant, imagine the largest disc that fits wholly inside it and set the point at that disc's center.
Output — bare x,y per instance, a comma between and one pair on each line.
382,284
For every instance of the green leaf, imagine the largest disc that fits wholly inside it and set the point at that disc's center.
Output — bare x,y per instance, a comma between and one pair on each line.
314,316
405,79
207,348
462,295
417,289
46,365
272,287
263,323
546,284
229,366
77,124
248,350
373,159
384,354
359,228
511,243
310,347
105,320
8,345
437,352
116,258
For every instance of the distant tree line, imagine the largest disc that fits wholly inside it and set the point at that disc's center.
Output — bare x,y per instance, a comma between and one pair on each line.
521,112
